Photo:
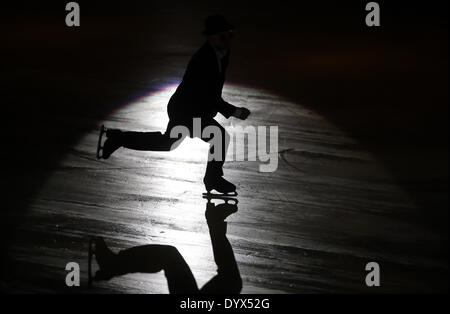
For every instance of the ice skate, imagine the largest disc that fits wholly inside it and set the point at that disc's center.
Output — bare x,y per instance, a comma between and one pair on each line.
224,188
111,144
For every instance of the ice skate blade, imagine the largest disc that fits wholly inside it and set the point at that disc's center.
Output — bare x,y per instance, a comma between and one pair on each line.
224,196
99,144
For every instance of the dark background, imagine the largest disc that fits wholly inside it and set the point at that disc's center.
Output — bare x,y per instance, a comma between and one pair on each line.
387,87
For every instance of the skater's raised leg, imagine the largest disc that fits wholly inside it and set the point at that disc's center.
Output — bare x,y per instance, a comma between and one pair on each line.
145,141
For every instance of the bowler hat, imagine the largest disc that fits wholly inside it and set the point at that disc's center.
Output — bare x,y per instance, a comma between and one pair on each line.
216,24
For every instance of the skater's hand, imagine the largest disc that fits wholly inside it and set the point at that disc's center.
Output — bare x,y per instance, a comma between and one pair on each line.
241,113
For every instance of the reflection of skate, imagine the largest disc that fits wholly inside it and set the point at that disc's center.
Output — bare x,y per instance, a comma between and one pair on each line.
222,186
226,197
219,212
105,259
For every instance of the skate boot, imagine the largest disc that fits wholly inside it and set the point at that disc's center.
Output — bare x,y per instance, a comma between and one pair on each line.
219,184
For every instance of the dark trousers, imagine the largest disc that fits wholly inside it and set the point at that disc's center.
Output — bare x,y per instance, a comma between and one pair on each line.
157,141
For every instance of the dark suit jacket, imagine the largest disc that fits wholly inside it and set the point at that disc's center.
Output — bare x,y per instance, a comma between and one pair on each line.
200,92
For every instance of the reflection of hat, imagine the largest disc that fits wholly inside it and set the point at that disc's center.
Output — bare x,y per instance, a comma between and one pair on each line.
216,24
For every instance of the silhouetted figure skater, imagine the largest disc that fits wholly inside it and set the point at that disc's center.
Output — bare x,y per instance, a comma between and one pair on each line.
198,96
154,258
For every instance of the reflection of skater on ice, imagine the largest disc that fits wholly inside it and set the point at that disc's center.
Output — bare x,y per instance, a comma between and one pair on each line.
198,96
154,258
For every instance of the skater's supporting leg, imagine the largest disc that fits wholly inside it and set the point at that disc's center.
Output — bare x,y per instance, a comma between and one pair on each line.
215,165
213,176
